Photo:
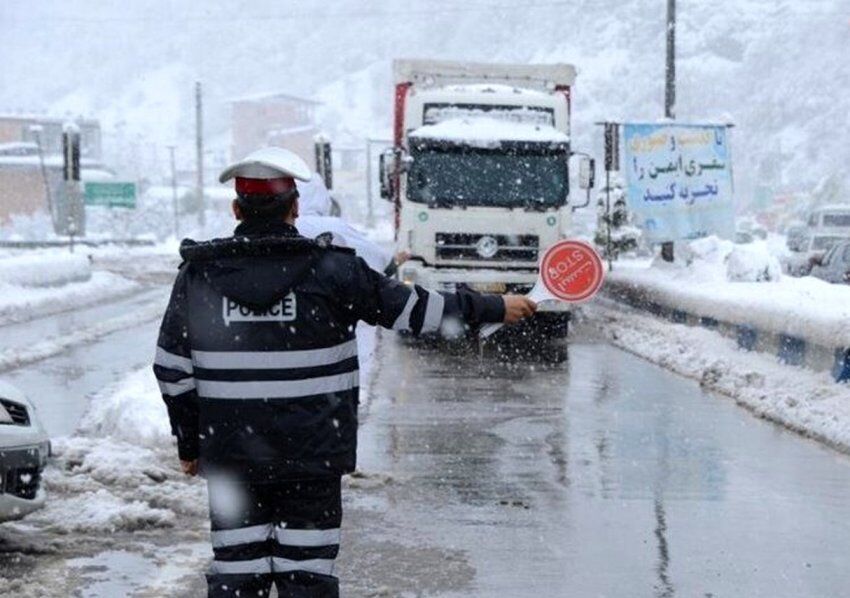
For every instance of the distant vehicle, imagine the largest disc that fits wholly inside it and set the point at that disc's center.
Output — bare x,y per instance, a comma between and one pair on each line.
834,266
795,236
24,449
825,227
743,237
831,219
813,251
751,227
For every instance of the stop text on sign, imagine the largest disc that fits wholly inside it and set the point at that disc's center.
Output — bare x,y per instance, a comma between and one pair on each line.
572,271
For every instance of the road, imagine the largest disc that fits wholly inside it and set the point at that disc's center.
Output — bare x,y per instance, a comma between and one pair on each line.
604,476
607,476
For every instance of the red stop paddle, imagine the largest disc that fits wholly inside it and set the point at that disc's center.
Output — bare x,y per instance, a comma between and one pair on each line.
570,271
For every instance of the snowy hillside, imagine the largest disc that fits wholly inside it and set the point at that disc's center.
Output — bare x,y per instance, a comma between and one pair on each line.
776,68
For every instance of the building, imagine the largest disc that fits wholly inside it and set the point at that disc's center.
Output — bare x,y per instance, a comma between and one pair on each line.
16,128
31,163
278,119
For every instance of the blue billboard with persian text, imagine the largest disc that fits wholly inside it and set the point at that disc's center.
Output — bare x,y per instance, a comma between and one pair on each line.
679,180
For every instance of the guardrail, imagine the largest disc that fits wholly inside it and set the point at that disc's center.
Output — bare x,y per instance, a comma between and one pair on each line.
789,349
83,242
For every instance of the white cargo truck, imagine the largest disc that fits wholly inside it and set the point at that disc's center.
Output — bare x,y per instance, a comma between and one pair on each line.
479,175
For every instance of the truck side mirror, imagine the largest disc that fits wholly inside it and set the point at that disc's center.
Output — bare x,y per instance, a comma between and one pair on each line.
586,172
384,162
391,163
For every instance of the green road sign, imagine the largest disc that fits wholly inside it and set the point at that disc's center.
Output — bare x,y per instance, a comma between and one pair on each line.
111,195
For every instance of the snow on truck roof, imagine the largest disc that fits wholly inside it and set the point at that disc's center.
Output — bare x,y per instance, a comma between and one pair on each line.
437,73
489,132
494,88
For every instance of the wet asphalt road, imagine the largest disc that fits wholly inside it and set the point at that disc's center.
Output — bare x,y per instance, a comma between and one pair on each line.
606,476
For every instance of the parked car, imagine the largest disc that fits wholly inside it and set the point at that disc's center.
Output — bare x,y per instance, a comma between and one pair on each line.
814,249
825,226
834,266
24,449
796,235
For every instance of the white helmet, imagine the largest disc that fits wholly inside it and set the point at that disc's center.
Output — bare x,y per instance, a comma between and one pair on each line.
268,163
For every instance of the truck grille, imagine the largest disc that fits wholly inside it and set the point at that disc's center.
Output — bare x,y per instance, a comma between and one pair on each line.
17,412
464,246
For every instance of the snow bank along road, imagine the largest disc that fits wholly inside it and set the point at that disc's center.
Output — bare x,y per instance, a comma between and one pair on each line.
76,350
603,476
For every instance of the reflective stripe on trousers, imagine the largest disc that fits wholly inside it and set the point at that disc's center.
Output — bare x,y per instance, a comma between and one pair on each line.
284,532
284,537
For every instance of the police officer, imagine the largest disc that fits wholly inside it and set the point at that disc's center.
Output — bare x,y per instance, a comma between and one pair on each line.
257,364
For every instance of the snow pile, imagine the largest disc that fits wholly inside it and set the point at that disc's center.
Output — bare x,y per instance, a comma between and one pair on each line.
697,283
133,413
101,510
120,472
488,133
105,485
18,304
707,250
804,401
752,263
44,269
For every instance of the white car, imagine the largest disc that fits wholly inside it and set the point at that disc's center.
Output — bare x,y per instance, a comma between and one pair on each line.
24,449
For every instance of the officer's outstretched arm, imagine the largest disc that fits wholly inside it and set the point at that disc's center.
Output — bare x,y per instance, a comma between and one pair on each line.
174,372
386,302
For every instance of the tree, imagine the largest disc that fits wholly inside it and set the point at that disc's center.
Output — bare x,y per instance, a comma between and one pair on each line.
624,237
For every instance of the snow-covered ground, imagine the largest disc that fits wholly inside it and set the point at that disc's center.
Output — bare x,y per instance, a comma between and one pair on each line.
39,282
716,279
36,283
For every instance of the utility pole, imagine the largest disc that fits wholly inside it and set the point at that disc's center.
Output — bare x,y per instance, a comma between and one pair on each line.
667,253
670,71
36,130
171,149
370,215
71,175
199,148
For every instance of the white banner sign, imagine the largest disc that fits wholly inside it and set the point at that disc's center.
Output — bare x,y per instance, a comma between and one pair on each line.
679,180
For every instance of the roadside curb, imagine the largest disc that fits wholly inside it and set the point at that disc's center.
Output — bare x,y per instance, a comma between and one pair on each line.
788,348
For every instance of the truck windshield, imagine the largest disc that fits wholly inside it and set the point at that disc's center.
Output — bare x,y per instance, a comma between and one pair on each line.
524,176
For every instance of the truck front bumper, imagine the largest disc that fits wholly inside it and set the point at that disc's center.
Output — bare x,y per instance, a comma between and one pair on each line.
481,280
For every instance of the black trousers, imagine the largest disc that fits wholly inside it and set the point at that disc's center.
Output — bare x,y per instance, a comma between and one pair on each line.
286,533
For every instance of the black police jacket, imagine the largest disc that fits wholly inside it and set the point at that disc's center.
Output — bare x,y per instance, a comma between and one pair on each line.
257,356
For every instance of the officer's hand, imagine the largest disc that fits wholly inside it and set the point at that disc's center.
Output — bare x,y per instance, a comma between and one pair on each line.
518,307
190,468
401,257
